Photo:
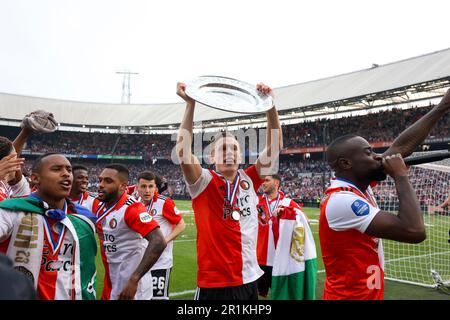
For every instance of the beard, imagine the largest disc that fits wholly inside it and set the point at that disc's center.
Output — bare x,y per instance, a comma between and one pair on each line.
107,197
377,175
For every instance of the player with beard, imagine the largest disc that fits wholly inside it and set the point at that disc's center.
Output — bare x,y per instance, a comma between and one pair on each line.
270,203
79,193
130,239
351,224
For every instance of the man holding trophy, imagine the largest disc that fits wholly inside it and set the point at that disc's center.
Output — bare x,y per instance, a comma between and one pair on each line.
224,202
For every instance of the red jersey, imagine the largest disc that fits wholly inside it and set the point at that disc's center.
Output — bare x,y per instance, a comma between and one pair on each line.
266,240
353,260
226,248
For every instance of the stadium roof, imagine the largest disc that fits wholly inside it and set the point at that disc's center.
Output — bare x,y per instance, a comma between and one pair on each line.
396,82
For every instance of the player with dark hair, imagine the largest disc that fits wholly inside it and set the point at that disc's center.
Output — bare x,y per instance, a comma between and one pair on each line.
224,202
164,211
50,239
351,224
79,193
130,239
270,203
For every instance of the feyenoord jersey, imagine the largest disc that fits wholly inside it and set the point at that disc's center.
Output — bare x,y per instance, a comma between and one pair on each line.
121,229
56,271
20,189
353,260
226,248
86,200
166,214
266,240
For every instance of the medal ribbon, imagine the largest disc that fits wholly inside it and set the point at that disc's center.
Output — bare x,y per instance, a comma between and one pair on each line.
268,204
150,205
365,195
55,245
231,191
107,211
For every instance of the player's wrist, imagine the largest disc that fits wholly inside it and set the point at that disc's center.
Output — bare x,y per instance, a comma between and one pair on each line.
135,278
401,177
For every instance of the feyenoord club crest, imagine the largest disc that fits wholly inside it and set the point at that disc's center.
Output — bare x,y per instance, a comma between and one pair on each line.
245,185
153,212
113,223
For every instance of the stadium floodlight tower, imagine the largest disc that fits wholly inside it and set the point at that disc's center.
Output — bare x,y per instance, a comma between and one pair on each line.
126,86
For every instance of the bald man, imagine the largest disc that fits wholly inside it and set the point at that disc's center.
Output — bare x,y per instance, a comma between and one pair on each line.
351,224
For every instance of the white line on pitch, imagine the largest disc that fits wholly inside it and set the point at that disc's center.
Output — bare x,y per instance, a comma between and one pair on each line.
181,293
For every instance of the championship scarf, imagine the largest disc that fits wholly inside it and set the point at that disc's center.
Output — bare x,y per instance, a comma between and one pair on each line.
26,244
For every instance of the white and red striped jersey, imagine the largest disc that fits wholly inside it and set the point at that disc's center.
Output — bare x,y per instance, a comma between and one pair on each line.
20,189
226,248
85,200
266,240
56,270
121,229
164,211
352,258
132,191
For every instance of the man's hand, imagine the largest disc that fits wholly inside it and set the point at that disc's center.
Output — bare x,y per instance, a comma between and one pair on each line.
261,87
395,166
39,121
277,211
10,164
445,102
181,91
129,291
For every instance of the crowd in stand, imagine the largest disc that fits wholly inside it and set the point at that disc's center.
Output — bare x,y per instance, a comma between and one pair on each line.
302,180
376,127
380,126
147,146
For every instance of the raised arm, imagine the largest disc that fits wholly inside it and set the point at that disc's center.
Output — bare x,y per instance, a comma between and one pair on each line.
188,161
414,135
407,225
19,143
21,139
268,159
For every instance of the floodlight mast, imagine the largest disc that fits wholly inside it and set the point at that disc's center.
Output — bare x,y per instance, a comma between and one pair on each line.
126,86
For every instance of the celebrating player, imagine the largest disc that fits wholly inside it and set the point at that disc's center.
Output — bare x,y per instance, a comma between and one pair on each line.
130,239
270,202
79,193
224,202
49,238
351,224
163,210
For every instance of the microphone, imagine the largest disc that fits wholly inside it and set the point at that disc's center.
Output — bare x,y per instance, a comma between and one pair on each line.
425,158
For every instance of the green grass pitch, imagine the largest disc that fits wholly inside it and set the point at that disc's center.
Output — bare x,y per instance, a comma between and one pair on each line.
183,277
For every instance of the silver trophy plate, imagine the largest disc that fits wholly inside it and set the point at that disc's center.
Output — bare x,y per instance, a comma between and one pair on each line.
228,94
